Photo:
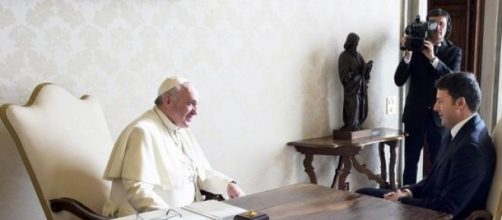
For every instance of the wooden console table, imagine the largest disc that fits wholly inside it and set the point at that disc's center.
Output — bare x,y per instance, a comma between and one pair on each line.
347,150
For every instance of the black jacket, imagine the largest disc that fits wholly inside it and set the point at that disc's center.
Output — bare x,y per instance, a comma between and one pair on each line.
423,76
461,176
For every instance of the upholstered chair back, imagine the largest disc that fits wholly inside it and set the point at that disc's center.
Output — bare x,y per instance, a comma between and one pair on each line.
64,142
494,203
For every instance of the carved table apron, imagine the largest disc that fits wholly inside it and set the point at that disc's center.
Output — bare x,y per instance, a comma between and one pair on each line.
347,150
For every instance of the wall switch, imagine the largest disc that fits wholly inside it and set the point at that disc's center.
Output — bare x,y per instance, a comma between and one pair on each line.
390,105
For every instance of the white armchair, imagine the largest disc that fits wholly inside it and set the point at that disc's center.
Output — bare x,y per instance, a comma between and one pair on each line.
494,203
64,142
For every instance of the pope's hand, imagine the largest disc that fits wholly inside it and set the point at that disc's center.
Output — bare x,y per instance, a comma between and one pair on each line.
234,191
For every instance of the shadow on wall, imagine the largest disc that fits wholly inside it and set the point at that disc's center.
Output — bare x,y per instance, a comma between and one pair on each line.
319,96
290,166
315,106
372,51
335,87
19,199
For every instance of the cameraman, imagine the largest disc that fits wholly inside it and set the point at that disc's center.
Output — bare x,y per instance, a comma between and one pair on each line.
437,57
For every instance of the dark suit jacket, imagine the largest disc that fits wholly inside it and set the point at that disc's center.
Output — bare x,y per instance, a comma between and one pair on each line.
461,176
423,76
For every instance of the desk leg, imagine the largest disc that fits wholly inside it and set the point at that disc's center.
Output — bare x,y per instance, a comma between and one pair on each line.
337,173
383,163
362,169
392,163
342,171
309,169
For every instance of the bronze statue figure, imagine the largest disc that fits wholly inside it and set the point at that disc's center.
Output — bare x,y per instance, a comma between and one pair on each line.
354,75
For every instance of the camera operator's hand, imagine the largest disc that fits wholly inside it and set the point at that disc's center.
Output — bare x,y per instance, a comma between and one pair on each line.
403,41
407,53
428,50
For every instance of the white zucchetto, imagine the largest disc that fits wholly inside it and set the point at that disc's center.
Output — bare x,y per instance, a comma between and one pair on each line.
170,83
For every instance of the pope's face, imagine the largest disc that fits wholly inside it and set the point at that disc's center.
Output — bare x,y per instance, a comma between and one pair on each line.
184,107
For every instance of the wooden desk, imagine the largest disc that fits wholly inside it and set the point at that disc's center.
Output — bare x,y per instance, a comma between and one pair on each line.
309,201
347,150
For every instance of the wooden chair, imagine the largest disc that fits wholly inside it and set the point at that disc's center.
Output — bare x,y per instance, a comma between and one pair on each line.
64,142
494,203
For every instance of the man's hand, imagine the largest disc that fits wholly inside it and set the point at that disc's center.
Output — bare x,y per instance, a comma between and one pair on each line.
407,53
234,191
403,41
428,50
395,196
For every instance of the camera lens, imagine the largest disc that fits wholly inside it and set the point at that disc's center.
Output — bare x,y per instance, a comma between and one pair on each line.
433,26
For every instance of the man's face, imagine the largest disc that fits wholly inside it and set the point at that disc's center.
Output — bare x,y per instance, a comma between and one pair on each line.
183,107
442,22
447,108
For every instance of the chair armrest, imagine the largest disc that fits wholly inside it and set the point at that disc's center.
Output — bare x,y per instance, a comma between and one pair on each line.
479,215
211,196
75,207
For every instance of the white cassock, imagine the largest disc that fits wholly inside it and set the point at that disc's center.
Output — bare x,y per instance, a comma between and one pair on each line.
154,165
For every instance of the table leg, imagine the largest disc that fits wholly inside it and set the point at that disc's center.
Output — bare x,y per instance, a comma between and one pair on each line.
392,163
337,172
309,169
383,163
342,172
362,169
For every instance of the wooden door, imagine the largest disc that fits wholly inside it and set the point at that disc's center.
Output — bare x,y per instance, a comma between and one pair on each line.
467,33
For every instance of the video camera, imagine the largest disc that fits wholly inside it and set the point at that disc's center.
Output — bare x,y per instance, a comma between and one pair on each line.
417,32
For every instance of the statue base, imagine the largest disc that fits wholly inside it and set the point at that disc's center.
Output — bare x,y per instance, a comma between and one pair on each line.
351,135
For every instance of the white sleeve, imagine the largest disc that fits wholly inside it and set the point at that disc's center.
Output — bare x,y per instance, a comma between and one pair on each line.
435,62
215,182
142,197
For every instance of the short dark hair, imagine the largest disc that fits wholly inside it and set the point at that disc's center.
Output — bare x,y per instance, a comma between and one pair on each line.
438,12
443,13
462,84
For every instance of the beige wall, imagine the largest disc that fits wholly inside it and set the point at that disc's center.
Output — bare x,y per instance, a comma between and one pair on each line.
266,70
491,105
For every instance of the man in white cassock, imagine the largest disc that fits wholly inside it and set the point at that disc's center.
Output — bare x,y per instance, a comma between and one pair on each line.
156,162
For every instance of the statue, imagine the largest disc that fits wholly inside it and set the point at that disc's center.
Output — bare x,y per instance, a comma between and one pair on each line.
354,75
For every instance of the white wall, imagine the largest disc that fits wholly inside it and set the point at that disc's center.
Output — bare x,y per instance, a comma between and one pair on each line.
266,70
491,105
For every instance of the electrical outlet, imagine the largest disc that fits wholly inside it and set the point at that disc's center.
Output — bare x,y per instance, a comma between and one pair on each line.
390,105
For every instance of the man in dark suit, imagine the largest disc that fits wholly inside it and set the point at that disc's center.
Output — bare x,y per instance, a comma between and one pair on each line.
423,68
461,176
